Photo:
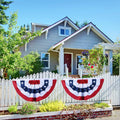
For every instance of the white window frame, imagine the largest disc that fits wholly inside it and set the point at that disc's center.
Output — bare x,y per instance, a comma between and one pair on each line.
76,59
45,60
62,27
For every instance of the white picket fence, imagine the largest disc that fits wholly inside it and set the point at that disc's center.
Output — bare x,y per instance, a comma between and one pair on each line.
109,92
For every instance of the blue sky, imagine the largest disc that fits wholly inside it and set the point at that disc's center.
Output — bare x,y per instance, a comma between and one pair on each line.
105,14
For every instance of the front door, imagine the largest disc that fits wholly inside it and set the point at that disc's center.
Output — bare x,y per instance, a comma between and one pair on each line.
67,60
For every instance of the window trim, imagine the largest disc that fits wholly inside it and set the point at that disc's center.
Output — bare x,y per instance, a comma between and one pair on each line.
46,60
62,27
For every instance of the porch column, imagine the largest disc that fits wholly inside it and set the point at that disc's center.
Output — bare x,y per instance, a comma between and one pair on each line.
61,60
110,55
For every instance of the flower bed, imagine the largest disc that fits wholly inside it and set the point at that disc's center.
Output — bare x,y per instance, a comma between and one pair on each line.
99,112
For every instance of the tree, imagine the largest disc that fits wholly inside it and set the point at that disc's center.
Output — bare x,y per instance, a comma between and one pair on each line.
34,62
116,59
23,28
30,64
4,5
116,62
77,23
10,56
81,25
28,28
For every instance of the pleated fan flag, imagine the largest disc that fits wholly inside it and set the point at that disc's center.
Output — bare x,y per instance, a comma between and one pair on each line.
82,89
34,90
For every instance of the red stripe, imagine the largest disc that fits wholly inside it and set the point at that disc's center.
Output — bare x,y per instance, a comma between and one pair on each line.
82,81
34,99
82,97
34,82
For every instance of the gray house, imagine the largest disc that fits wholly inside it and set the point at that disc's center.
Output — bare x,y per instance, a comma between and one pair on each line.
63,42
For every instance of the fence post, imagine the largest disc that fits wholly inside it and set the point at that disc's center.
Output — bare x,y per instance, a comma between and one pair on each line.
79,71
10,84
66,70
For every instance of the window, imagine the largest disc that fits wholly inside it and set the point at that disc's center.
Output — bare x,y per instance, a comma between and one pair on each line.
64,31
45,59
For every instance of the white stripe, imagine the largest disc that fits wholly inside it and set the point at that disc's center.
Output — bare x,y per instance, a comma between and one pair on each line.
82,86
34,95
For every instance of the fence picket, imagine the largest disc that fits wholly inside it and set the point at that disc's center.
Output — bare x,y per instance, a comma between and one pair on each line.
6,92
10,82
2,99
109,91
119,89
13,95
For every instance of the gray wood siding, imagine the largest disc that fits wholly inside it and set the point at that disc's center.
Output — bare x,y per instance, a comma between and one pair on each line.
39,27
80,41
53,60
40,44
83,41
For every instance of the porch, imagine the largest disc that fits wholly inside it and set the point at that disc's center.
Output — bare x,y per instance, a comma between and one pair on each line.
70,61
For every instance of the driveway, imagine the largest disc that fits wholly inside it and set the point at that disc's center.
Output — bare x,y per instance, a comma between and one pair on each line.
115,116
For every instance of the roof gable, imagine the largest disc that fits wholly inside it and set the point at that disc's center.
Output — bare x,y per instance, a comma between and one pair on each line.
94,29
70,22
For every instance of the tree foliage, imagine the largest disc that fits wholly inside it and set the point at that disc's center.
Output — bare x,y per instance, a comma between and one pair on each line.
4,5
24,28
95,61
35,63
116,60
81,25
10,56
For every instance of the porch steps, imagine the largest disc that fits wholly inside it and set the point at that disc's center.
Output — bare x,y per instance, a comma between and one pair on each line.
74,76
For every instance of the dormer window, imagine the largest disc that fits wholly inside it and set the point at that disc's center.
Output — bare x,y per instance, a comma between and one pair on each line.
64,31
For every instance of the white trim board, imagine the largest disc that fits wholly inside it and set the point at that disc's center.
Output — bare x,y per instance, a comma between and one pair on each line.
60,21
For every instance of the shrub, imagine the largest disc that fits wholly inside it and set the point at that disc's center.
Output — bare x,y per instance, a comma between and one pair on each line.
28,108
87,76
85,106
55,71
101,105
95,62
13,108
52,106
116,59
79,107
